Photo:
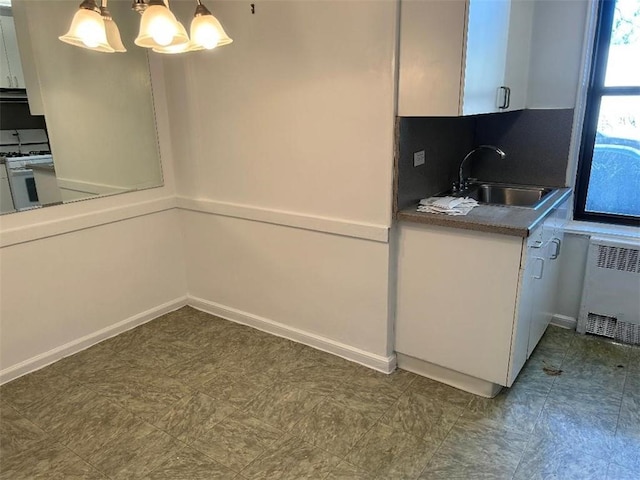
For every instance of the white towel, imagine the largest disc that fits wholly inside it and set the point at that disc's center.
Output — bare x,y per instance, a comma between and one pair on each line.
447,205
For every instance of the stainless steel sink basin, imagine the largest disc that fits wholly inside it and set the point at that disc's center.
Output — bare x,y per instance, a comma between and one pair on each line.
503,194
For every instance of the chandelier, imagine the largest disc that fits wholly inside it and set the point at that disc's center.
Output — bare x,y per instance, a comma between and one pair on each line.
93,27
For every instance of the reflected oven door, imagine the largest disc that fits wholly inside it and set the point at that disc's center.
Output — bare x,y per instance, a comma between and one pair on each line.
23,188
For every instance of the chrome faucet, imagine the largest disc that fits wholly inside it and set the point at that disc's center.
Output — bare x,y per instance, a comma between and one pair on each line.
462,183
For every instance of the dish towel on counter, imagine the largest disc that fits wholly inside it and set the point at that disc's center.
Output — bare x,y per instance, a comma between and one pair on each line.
447,205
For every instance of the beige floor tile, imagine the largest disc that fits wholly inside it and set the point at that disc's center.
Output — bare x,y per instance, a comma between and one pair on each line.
516,408
16,432
282,405
347,471
546,458
255,406
237,440
333,428
427,417
618,472
440,391
48,460
192,416
475,447
291,459
135,453
190,464
390,453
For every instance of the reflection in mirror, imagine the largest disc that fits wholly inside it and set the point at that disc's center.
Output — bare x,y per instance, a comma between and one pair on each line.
74,123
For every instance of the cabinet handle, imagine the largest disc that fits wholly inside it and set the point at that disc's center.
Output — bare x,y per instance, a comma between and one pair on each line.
16,79
539,276
505,101
558,243
508,97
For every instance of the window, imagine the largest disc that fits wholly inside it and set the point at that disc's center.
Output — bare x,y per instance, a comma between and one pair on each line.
608,183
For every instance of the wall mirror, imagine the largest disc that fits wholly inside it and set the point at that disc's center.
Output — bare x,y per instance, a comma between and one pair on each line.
76,123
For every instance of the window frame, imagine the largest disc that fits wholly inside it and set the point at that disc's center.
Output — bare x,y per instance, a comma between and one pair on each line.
595,91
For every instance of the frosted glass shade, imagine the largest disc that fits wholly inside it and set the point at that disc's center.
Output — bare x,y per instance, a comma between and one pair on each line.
185,47
159,28
207,32
113,35
87,31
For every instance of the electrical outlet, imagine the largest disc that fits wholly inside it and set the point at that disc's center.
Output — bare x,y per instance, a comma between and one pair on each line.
418,158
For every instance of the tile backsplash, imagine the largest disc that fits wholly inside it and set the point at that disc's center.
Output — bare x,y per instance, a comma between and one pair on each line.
536,142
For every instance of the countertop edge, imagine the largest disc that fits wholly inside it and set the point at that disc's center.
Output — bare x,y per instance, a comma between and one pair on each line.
471,222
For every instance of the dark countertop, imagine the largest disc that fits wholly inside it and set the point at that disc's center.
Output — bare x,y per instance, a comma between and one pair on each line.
517,221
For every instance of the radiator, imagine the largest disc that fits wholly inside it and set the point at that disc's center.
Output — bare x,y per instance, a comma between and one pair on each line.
610,304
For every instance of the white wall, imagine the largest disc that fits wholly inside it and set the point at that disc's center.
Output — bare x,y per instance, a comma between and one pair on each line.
296,114
325,285
57,290
291,126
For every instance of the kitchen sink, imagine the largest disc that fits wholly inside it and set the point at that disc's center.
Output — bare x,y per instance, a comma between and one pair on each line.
504,194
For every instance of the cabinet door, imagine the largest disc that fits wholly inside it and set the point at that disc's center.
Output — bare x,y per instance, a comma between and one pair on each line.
546,278
486,55
430,57
541,314
13,54
456,298
6,81
518,53
525,305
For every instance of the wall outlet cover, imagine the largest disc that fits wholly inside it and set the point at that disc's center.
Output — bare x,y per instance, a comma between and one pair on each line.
418,158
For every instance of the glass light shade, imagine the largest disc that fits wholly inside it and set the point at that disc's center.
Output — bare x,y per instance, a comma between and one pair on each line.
207,32
87,31
113,35
185,47
159,28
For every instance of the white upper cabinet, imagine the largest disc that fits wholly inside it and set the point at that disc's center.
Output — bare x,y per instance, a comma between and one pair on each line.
11,76
463,57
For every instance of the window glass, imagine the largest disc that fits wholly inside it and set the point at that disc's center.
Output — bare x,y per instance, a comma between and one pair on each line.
623,65
614,183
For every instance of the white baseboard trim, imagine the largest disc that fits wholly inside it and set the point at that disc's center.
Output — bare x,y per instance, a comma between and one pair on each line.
564,321
75,346
336,226
376,362
450,377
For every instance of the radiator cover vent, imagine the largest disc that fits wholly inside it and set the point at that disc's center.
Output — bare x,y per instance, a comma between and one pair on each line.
611,327
618,258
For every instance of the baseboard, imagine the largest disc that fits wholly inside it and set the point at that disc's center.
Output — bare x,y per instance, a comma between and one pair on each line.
564,321
376,362
447,376
75,346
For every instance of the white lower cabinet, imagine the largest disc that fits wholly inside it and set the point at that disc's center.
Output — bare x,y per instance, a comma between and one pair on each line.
472,306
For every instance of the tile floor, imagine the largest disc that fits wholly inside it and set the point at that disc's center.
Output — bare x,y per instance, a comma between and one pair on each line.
191,396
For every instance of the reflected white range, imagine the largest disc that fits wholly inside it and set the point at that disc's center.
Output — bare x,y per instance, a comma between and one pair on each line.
20,152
